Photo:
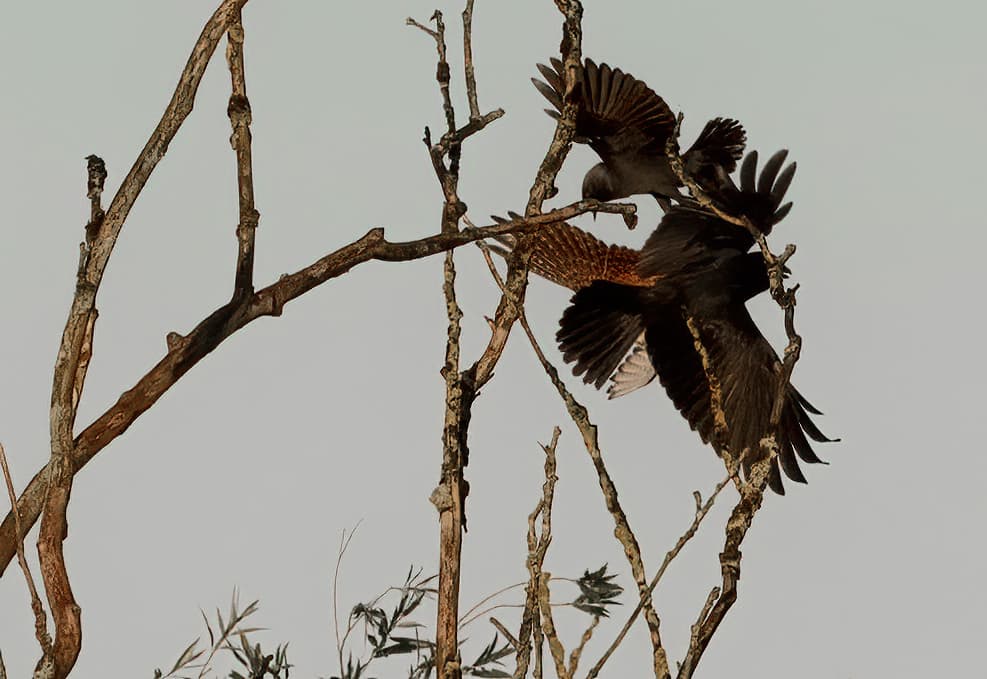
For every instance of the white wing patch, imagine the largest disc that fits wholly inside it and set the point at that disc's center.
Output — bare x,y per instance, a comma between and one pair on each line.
635,372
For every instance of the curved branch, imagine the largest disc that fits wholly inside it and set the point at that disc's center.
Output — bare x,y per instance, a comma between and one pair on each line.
185,351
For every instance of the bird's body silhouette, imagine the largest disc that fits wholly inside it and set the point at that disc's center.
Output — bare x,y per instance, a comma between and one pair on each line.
628,126
676,309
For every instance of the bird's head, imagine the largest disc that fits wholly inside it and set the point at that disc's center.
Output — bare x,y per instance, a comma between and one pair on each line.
598,184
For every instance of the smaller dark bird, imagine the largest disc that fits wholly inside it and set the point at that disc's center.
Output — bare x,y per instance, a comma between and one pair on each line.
628,126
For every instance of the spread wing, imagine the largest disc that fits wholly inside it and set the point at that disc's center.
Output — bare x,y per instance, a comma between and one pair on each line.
745,366
573,258
618,114
719,145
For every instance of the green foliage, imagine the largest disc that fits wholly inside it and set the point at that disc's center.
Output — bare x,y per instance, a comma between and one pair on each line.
251,657
382,629
597,592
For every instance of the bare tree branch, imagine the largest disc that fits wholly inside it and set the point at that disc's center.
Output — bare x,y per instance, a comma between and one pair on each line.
468,59
751,495
577,652
40,618
548,624
71,367
538,542
185,351
449,497
239,113
701,511
511,302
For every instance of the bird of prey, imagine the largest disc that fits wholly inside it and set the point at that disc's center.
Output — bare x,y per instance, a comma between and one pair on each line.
678,303
628,125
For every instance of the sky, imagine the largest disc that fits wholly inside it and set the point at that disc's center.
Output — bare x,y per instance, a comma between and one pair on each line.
299,427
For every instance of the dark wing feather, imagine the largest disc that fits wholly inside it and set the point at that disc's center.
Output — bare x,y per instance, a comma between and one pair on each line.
758,197
618,114
720,143
598,329
690,239
745,365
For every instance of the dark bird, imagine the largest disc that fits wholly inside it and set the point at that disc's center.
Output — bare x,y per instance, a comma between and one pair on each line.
678,303
628,125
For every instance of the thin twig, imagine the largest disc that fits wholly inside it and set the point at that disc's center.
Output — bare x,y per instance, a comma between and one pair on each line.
531,628
577,652
465,622
499,626
468,615
702,509
344,543
40,618
468,60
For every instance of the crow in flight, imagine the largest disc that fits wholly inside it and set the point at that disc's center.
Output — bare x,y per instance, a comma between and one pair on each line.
628,125
679,297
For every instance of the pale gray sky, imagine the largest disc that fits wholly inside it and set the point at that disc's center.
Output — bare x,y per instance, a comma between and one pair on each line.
247,470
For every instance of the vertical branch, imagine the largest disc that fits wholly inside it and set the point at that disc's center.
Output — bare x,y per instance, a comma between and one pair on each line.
468,58
239,113
71,366
554,645
449,497
76,342
101,237
531,627
543,188
452,519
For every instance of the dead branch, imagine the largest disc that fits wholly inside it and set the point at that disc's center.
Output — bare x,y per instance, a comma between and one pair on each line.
577,652
71,367
185,351
40,618
511,302
722,598
470,71
76,344
538,542
702,509
449,497
555,647
239,113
